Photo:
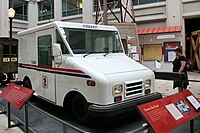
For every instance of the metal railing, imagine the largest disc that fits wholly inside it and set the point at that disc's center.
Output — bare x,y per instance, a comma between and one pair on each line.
66,123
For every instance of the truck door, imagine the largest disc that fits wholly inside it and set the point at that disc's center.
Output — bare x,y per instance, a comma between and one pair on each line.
45,68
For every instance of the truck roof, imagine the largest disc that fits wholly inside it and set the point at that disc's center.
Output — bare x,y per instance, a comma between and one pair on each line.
60,24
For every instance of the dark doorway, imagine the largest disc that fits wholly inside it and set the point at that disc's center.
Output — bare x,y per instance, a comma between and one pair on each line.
192,24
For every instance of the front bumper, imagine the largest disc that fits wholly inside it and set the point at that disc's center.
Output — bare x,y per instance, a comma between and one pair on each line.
122,107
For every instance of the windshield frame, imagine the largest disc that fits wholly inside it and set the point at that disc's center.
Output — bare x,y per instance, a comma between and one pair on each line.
115,40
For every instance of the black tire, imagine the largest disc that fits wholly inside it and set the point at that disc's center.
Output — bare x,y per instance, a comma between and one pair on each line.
5,79
80,109
27,84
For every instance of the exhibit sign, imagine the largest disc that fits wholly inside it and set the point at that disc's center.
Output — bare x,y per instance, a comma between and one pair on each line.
16,95
152,52
169,47
166,114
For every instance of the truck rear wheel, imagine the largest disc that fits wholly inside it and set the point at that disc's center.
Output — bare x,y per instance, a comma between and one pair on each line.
80,109
27,83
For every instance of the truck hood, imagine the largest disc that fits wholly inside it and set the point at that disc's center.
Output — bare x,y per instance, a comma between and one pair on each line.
110,64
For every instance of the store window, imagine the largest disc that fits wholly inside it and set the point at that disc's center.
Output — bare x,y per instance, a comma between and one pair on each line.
45,10
115,3
71,7
21,9
110,3
141,2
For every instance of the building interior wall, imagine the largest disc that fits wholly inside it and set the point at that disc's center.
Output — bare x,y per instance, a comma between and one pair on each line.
147,16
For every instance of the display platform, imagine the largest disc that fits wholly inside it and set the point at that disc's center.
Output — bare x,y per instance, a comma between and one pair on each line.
46,117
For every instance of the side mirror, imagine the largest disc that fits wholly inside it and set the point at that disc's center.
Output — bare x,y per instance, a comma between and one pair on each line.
57,50
57,53
157,64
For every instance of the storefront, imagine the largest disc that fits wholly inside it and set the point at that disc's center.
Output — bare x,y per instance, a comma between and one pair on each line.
159,44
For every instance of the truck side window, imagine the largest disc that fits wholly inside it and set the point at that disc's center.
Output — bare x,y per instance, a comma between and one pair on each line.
62,44
45,50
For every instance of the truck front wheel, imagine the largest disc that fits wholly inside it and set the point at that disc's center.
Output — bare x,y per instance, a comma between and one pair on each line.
80,109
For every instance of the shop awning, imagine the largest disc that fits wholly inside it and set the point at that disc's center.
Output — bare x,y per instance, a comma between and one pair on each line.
142,31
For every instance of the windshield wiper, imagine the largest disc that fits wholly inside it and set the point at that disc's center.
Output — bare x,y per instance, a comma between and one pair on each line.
91,53
88,54
107,53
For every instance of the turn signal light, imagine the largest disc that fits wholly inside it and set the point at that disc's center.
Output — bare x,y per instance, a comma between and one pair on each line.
117,99
90,83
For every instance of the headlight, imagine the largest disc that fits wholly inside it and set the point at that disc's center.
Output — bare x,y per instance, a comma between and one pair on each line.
147,84
117,89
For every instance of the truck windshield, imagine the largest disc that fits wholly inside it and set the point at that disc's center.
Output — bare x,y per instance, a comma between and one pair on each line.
85,41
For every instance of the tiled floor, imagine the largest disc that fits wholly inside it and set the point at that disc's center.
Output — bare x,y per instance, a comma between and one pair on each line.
165,86
4,126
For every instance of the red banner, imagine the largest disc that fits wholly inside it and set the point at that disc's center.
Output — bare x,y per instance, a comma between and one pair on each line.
170,112
16,95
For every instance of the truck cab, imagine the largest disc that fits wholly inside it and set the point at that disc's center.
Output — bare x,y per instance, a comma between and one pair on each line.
83,68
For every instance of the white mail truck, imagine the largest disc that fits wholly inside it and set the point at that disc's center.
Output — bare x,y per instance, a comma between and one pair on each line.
83,68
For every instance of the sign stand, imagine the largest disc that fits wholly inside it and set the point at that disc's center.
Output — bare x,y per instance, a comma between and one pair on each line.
9,117
17,96
26,119
192,128
166,114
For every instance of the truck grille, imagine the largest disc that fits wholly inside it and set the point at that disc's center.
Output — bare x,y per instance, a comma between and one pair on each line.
133,88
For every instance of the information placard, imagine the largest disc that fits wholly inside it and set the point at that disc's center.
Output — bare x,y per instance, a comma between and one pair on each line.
152,52
16,95
168,113
169,47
